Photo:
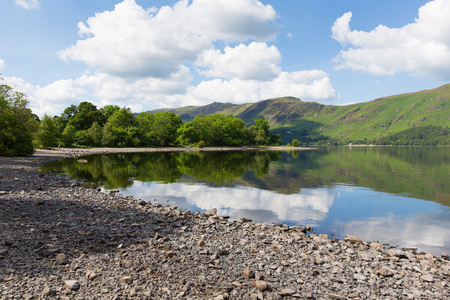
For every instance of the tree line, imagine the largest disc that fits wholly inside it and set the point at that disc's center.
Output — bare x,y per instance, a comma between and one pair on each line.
111,126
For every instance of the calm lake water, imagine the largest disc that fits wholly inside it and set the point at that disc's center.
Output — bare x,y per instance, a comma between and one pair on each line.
399,196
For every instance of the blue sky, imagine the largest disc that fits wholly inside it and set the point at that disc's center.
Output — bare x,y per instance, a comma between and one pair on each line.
147,54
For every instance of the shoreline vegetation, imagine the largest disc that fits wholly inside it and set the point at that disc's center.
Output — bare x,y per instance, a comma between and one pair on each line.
60,239
85,125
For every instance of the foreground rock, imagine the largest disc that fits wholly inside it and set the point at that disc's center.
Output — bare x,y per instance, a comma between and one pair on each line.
59,240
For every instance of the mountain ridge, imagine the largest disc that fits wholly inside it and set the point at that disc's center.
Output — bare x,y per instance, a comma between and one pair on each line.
308,121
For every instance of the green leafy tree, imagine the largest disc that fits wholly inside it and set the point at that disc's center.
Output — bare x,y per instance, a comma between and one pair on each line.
85,115
17,123
48,134
96,133
120,129
164,129
295,143
68,136
109,110
145,121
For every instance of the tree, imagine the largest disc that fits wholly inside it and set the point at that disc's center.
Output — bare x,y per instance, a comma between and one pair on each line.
47,134
109,110
260,132
119,130
96,133
68,136
17,123
164,129
144,122
295,143
85,115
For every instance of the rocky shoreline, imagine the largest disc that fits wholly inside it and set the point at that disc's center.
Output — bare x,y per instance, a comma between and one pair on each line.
61,240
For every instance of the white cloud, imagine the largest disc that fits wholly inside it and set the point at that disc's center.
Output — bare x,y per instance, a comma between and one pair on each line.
132,41
421,48
309,206
28,4
147,58
149,93
2,64
256,61
310,85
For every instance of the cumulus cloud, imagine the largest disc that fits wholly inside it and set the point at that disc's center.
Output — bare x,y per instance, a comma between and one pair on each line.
256,61
132,41
149,93
148,58
421,48
309,85
28,4
2,64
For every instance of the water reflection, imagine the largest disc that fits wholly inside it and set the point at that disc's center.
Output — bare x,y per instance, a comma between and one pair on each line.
373,193
308,207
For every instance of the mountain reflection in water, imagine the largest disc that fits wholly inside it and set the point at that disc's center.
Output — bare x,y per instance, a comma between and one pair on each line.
374,193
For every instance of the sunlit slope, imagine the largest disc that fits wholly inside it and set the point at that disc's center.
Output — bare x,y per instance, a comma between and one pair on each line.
386,115
293,118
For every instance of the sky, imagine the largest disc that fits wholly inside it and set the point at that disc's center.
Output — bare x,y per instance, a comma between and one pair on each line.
149,54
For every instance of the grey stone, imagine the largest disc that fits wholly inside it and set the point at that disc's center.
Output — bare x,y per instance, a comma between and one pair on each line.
72,284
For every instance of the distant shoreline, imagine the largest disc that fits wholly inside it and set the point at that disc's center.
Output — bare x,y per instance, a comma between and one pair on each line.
87,151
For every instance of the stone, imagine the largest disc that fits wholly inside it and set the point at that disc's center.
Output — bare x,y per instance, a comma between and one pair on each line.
396,252
427,278
170,254
287,291
375,245
384,271
260,285
91,274
72,285
61,259
201,243
211,212
336,296
248,273
126,279
352,239
429,256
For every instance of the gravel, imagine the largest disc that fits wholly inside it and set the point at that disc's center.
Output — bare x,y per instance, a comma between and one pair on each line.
59,239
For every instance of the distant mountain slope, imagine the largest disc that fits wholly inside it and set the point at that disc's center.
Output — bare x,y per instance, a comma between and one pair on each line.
188,113
307,121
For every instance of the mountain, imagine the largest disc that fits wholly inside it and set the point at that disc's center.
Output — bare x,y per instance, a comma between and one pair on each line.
310,121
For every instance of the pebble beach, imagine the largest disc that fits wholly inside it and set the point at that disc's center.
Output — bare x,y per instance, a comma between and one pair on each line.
61,239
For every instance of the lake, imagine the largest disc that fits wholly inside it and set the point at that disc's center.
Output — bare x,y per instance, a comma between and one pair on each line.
399,196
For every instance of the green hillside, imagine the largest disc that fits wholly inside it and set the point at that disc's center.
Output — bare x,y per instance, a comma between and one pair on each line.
361,122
